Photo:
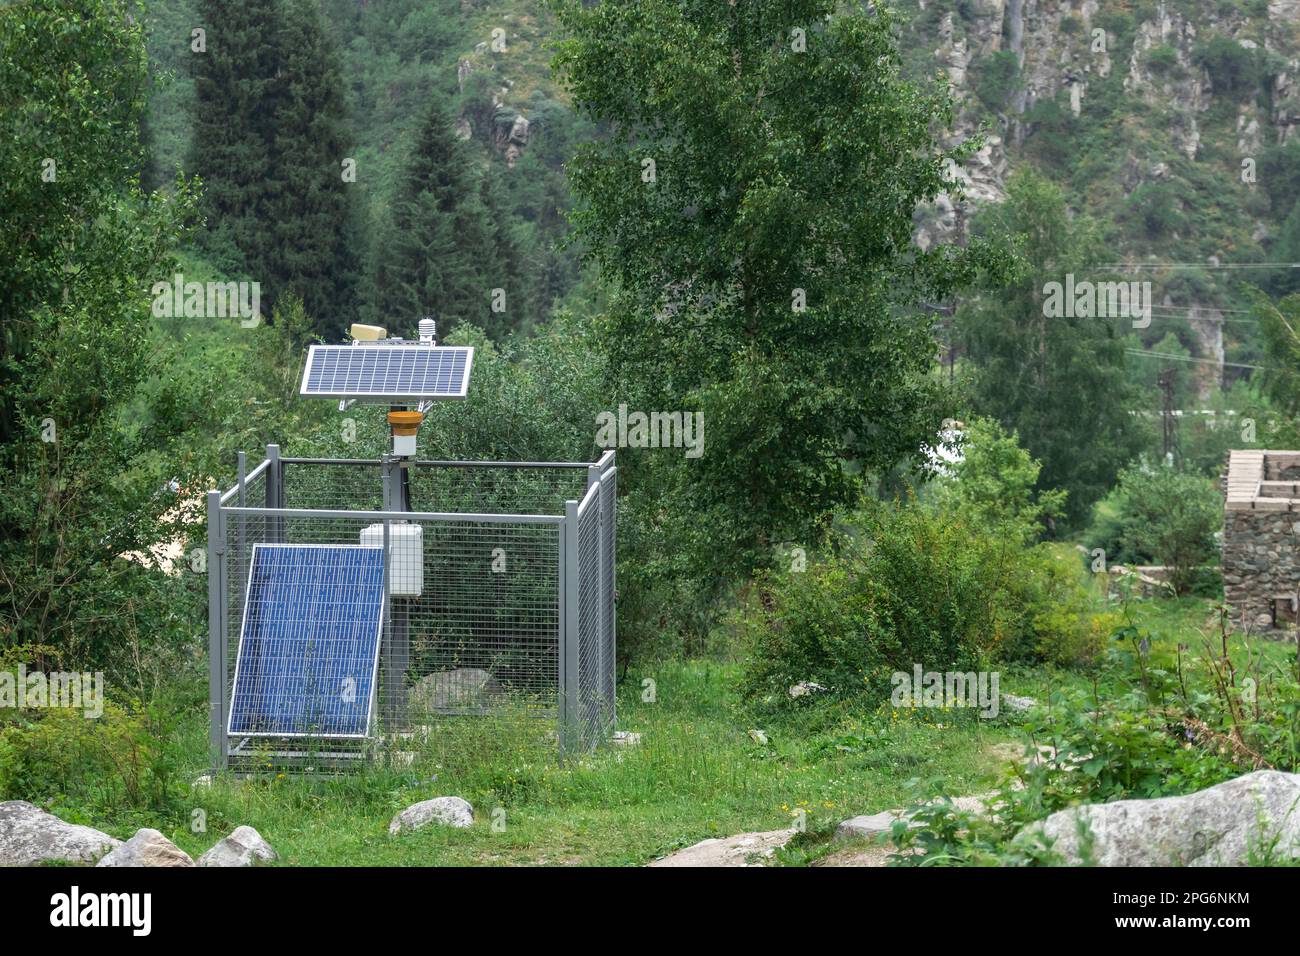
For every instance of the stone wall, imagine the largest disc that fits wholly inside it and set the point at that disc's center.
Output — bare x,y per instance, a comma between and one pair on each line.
1261,531
1259,562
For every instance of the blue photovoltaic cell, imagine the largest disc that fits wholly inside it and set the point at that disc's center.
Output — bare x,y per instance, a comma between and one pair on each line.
309,641
387,371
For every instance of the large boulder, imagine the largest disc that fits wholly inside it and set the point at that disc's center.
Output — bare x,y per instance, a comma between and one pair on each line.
743,849
1219,826
448,811
244,847
29,835
147,848
465,689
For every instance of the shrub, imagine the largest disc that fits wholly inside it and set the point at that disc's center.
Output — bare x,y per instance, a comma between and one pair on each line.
1157,208
1234,70
1162,60
994,483
995,77
123,758
911,585
1164,515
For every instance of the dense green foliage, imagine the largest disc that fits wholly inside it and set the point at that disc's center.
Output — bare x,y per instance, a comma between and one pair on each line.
1058,381
270,145
748,179
438,255
1159,515
995,482
77,249
751,284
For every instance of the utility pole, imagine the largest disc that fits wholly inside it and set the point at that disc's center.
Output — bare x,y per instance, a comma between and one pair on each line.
1169,426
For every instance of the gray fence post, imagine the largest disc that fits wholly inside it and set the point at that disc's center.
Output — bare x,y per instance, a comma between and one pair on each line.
608,644
274,491
570,708
216,633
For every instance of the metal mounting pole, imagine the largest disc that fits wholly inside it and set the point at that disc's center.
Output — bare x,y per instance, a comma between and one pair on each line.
217,741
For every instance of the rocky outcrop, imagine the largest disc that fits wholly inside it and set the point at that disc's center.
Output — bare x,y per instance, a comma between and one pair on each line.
1255,817
244,847
512,141
147,848
29,836
447,811
1062,49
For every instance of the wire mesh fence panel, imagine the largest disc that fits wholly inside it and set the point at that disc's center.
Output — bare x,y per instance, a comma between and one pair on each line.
333,485
484,629
609,518
592,709
487,488
469,608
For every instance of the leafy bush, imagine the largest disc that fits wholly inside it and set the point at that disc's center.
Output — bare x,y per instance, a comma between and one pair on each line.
1157,208
121,759
1160,515
1162,60
1235,70
994,483
910,585
995,77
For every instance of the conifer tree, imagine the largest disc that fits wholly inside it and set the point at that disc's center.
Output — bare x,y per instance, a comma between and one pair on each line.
269,142
314,219
236,87
436,254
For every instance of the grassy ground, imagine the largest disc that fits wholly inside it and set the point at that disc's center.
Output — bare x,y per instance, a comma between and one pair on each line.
698,772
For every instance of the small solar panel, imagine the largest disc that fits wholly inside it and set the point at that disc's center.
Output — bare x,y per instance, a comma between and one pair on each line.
309,641
388,373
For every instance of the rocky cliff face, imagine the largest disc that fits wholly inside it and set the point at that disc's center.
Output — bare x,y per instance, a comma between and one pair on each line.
1062,49
1153,116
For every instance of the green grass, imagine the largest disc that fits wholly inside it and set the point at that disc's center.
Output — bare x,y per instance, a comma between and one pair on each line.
696,774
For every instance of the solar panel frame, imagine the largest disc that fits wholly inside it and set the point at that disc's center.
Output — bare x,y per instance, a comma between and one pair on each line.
372,689
385,373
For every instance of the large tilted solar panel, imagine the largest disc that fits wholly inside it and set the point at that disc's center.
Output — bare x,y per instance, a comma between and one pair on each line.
387,372
309,641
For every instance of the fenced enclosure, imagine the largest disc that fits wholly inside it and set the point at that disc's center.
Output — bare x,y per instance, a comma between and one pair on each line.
497,599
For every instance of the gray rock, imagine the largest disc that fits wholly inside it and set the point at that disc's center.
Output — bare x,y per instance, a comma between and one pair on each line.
1012,702
1218,826
29,835
870,825
466,689
244,847
448,811
875,824
743,849
147,848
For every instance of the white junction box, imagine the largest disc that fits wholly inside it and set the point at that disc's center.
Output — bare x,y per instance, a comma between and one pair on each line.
404,446
406,556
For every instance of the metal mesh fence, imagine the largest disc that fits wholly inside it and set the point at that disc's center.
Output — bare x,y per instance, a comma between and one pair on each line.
591,684
473,620
609,494
440,487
